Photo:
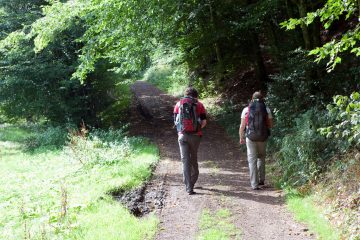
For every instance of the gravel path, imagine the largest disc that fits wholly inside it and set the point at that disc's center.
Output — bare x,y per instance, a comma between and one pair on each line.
223,180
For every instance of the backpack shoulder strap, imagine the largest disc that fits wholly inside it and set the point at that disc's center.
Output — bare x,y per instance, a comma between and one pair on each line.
247,115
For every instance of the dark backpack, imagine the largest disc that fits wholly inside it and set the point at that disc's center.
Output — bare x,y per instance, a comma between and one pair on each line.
256,122
187,119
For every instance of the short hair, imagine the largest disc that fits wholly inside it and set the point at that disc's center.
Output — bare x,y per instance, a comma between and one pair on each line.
257,95
191,92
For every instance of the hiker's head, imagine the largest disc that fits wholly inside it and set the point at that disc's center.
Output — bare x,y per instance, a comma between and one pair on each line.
257,96
191,92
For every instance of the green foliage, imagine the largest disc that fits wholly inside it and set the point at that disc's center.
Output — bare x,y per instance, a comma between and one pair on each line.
346,112
114,31
53,195
9,133
298,97
94,151
47,89
108,136
303,152
226,113
168,73
302,85
49,137
332,11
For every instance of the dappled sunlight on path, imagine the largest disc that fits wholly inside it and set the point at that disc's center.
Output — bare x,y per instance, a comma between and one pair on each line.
223,180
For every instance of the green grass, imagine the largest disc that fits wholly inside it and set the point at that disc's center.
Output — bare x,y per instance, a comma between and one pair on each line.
36,188
13,134
306,212
106,220
217,226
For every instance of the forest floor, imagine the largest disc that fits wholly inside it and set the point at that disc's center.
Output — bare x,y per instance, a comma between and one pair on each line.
223,182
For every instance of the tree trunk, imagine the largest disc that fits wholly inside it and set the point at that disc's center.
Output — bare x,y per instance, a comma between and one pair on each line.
316,33
216,44
305,31
259,62
273,40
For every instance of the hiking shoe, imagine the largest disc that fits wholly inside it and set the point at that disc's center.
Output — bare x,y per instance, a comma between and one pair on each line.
256,188
191,192
261,183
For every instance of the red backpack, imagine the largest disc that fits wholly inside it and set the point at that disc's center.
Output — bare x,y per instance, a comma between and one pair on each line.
188,119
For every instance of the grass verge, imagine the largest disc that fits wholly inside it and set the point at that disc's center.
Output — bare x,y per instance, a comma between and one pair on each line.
306,211
217,225
63,194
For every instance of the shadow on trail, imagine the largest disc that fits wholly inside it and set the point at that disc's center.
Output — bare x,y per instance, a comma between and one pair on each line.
223,178
208,185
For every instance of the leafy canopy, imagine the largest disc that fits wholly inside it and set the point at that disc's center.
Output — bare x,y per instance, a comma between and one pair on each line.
332,11
122,32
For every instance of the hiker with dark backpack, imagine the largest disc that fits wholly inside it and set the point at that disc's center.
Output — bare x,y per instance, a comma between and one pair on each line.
256,121
189,119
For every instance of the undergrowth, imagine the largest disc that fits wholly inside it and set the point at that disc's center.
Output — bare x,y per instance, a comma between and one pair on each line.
338,193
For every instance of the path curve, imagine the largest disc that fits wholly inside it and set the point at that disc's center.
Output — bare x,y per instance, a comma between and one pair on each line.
223,180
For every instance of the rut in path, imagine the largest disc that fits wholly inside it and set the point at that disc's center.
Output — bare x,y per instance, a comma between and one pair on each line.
223,180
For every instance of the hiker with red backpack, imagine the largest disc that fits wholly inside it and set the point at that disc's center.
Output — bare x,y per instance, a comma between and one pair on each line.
189,119
256,121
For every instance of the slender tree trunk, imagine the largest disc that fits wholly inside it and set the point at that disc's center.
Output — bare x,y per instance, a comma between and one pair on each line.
289,9
316,25
216,44
259,62
291,6
305,31
316,33
273,40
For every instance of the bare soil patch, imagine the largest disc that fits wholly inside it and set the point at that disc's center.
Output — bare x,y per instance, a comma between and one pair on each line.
223,180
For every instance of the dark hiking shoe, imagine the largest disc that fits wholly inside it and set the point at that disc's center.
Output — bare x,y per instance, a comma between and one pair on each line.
191,192
256,188
261,183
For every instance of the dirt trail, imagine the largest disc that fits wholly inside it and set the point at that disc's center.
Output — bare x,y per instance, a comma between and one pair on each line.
223,180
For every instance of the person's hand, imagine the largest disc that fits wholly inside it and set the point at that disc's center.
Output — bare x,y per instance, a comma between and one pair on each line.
242,141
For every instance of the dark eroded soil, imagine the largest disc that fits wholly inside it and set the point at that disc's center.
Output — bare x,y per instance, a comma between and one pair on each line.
223,180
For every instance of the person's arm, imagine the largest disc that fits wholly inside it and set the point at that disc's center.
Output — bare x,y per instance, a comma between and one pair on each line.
269,119
203,116
203,123
242,131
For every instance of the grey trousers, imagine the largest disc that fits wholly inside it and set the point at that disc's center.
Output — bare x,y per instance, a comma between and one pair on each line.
189,145
256,152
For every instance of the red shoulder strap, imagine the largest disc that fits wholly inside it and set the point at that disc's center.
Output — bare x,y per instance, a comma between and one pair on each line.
247,116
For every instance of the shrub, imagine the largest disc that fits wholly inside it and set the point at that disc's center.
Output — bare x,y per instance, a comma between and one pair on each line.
103,147
108,136
346,113
304,153
48,137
